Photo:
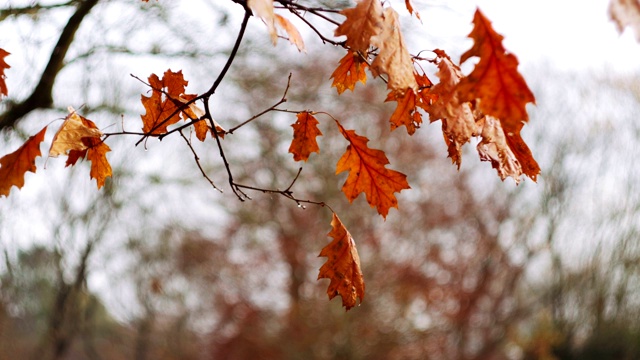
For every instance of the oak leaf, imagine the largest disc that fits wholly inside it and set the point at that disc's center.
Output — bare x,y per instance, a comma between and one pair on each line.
342,266
350,70
95,151
193,112
410,9
626,13
70,134
406,113
14,166
361,23
494,148
162,106
394,59
458,120
292,32
3,67
305,131
368,174
264,10
495,80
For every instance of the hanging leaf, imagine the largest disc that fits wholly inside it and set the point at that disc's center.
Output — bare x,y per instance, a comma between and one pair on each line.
14,166
162,106
406,113
342,266
95,151
69,136
495,81
305,131
394,58
361,23
368,174
294,35
3,66
349,72
264,10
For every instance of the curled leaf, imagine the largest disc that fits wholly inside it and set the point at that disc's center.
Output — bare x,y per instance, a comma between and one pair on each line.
342,266
361,23
70,135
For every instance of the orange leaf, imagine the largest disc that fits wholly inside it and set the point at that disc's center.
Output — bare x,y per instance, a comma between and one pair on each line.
349,72
193,112
70,134
458,120
305,131
3,67
163,103
14,166
342,266
394,58
368,174
406,112
361,23
95,152
495,81
294,35
407,3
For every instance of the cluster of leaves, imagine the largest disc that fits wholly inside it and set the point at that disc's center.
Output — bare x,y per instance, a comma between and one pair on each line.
488,103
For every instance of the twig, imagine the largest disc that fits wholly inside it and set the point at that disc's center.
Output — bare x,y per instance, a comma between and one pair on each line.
272,108
197,159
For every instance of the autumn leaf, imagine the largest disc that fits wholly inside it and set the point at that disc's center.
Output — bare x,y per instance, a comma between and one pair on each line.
305,131
494,148
495,80
406,113
70,134
193,112
294,35
394,58
349,72
14,166
361,23
368,174
458,120
626,13
264,10
3,66
95,151
342,266
410,9
162,105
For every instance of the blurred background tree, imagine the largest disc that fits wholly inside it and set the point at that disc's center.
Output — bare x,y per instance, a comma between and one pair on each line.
158,266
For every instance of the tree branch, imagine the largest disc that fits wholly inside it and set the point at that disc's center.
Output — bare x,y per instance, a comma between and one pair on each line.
41,97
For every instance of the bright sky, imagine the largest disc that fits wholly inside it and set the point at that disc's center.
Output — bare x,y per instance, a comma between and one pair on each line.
569,34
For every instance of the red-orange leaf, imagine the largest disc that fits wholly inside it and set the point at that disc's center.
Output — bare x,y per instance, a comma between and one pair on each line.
163,103
495,81
95,152
14,166
368,174
406,112
305,131
349,72
342,266
3,67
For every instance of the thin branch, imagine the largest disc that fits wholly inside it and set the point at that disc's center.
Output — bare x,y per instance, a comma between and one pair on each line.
197,159
272,108
31,10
